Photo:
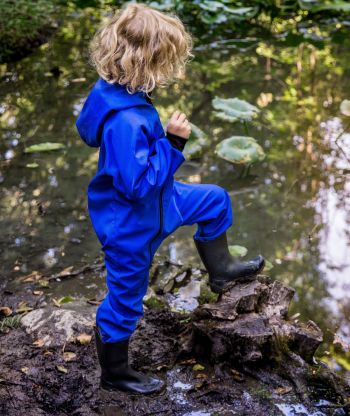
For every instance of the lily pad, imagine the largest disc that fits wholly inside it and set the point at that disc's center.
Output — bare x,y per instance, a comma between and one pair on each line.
321,5
345,107
44,147
219,6
238,251
233,109
268,266
196,144
240,150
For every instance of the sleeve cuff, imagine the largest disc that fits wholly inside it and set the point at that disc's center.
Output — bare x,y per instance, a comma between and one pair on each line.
176,141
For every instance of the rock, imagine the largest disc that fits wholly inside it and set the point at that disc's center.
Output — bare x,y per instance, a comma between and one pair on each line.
55,326
164,275
186,299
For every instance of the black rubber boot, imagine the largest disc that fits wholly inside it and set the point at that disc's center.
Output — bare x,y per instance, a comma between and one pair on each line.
116,374
223,269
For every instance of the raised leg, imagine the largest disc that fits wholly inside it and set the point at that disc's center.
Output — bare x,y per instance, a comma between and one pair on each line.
209,206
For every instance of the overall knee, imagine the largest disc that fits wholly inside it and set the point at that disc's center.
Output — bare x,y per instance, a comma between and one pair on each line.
220,197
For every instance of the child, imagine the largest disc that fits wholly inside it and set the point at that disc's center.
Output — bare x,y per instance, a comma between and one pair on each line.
134,202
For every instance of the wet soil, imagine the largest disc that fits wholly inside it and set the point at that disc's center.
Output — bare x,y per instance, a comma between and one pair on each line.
203,376
37,381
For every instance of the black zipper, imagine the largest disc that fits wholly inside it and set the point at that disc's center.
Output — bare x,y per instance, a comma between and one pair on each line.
160,222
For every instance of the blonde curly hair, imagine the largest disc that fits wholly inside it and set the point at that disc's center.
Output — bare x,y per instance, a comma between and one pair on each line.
141,48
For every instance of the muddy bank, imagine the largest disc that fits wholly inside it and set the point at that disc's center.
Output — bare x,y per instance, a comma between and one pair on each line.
222,359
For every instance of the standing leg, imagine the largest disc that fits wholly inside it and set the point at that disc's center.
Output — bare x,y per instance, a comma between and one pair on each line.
209,206
120,310
127,281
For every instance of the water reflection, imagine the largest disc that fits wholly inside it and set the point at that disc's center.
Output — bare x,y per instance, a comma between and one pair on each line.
333,214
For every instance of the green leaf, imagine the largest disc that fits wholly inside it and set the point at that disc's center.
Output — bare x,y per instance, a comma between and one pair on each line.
240,150
162,6
198,367
345,107
238,251
242,12
44,147
233,109
32,165
268,266
211,6
196,144
318,5
65,299
218,8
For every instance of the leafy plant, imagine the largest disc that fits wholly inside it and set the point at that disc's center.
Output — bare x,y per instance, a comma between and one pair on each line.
196,144
240,150
322,5
24,24
237,251
44,147
10,322
234,109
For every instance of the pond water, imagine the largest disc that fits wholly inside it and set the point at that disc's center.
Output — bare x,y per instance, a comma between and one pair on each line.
294,208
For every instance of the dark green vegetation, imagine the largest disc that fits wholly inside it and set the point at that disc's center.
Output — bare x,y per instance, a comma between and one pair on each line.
24,25
294,205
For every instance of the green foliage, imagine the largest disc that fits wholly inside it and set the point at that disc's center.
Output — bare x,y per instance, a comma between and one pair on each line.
219,12
196,144
238,251
10,322
154,302
65,299
23,23
207,14
240,150
322,5
268,266
233,109
206,295
44,147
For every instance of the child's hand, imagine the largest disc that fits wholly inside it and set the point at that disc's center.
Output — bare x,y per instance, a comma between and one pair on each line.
179,125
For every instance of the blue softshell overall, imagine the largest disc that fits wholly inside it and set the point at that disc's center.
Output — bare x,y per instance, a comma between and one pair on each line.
134,202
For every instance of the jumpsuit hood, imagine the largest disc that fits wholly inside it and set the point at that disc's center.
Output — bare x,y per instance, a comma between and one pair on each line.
103,100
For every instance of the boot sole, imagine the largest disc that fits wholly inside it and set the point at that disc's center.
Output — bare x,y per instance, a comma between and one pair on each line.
111,388
221,289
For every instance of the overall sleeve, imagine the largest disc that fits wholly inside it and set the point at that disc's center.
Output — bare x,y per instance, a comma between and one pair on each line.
137,171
